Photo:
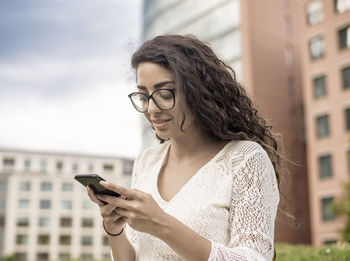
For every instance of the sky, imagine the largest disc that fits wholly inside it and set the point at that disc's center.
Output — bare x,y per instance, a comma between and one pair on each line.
65,74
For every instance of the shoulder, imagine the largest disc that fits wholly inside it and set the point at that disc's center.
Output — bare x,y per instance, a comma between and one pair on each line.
244,155
244,148
152,154
250,164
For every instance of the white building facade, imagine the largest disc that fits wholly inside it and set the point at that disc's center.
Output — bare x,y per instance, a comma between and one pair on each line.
47,215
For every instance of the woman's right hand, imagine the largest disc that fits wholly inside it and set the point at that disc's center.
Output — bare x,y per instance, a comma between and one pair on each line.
113,222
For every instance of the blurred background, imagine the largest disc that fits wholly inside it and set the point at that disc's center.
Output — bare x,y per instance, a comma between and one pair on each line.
64,80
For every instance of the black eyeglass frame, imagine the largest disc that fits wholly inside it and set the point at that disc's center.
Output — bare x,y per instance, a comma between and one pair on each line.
154,100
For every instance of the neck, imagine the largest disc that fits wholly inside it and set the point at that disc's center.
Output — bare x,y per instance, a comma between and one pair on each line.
191,145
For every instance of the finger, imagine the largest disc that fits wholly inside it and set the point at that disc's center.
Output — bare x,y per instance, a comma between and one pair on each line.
128,193
108,210
114,201
93,197
122,212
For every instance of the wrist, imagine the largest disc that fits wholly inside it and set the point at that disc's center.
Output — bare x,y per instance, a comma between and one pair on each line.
111,232
165,226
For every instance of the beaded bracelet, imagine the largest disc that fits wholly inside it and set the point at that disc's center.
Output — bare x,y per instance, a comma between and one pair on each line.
114,235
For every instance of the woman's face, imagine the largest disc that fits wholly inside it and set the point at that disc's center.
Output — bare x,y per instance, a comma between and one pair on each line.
151,77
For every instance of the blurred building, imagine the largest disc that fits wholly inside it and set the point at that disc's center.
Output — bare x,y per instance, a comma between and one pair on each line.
325,46
44,213
259,40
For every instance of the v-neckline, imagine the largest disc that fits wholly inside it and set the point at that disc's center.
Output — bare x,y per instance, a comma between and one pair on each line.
180,191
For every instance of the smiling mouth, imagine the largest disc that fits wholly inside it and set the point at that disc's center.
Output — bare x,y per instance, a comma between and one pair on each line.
159,123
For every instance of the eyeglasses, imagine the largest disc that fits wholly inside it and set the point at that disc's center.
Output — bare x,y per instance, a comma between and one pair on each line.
163,98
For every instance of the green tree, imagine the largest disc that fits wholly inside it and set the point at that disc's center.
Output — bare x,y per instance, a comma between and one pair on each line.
342,208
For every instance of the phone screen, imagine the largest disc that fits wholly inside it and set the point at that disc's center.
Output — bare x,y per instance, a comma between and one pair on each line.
93,181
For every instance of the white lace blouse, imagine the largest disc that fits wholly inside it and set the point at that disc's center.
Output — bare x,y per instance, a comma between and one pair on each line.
232,201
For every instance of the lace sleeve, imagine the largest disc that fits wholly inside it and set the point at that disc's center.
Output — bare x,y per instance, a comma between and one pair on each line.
252,213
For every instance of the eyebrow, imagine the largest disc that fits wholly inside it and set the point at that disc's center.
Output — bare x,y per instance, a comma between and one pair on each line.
156,86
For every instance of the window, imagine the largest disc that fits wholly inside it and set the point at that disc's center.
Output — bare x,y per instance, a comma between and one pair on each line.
43,256
2,203
59,166
75,167
91,168
8,163
43,166
2,221
86,240
319,86
22,221
23,204
330,242
21,256
21,239
67,186
325,166
344,37
3,185
43,239
105,241
45,204
107,257
65,240
66,204
287,26
87,257
289,56
108,167
46,186
322,126
44,222
342,5
63,256
127,166
24,186
346,77
66,222
328,209
317,47
347,119
87,204
87,222
314,12
27,165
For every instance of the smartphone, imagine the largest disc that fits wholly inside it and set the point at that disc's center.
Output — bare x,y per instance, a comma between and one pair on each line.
93,181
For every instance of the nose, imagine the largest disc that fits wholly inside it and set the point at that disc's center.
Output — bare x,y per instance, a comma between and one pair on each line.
152,107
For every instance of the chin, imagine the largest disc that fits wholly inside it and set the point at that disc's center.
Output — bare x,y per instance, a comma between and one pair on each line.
164,137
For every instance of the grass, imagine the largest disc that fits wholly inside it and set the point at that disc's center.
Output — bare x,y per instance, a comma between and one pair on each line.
287,252
338,252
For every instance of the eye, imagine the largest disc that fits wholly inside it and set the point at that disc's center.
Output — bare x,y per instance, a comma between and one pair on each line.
165,94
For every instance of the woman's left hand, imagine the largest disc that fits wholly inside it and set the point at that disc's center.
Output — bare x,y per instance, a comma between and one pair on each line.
140,209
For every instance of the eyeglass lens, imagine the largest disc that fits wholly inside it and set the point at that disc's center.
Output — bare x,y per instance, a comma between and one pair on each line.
164,99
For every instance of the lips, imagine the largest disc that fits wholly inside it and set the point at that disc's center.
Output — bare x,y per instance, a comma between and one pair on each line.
159,123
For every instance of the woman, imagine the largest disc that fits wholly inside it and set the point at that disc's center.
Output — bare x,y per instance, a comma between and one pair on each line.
209,191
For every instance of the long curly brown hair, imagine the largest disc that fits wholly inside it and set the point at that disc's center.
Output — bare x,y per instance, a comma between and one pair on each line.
217,101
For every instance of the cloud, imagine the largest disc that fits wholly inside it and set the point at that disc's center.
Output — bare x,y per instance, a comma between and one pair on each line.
54,79
65,75
101,121
60,28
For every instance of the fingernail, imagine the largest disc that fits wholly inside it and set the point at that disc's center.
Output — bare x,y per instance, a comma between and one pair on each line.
104,182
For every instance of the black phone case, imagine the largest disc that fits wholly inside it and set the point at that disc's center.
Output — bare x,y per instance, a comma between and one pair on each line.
93,181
